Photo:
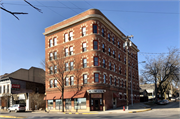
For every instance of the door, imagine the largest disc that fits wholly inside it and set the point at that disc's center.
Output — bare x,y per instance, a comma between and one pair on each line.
96,104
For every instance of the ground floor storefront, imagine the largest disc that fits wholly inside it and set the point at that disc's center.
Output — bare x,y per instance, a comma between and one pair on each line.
88,100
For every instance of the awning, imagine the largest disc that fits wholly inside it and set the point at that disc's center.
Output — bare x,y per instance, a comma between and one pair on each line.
115,95
52,96
80,94
68,95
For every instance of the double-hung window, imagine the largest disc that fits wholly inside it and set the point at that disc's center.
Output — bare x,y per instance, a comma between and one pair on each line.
118,44
55,83
96,61
50,43
51,83
118,82
55,69
104,65
119,70
104,78
83,31
85,78
51,70
102,32
124,60
95,45
113,53
115,81
109,51
7,88
72,80
0,90
70,35
113,40
109,37
55,41
71,50
66,52
84,47
55,55
84,63
94,28
51,56
96,77
119,57
71,65
109,65
67,81
114,68
103,48
67,66
66,37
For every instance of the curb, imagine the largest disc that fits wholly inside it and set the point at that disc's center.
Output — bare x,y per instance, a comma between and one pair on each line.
140,111
78,113
11,116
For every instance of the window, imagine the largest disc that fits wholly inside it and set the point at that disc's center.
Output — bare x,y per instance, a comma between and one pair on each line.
67,81
71,50
70,35
85,78
71,65
125,71
96,77
103,48
55,83
102,32
58,104
109,65
94,28
124,60
68,104
55,55
104,78
50,43
4,89
0,90
115,81
110,80
50,56
72,80
55,41
84,63
95,45
66,37
114,68
55,69
80,103
119,57
118,82
113,40
96,61
67,66
51,83
113,53
109,51
84,47
66,51
83,31
109,37
104,65
51,70
50,104
119,70
118,44
122,84
7,88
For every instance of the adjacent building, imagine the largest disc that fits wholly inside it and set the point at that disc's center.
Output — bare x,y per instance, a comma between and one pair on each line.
94,41
23,87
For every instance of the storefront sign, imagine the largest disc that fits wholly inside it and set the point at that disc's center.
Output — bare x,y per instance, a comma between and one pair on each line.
96,95
96,91
15,86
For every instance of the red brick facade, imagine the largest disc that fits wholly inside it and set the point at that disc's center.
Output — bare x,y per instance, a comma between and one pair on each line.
94,65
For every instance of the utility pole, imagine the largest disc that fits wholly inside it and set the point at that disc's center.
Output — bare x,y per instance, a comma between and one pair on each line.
126,45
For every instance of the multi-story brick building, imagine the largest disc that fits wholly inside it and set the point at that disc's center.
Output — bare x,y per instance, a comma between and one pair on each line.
97,43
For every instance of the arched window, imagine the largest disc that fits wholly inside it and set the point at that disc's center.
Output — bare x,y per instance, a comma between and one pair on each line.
55,41
104,78
51,83
65,37
104,65
72,80
50,43
55,55
70,35
50,56
55,69
67,81
55,83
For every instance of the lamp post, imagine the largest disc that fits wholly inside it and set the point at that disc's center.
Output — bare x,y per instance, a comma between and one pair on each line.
127,44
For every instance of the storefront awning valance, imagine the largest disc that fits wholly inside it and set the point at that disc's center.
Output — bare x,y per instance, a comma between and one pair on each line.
80,94
52,96
115,95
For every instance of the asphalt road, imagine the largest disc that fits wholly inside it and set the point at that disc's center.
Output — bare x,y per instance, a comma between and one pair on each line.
169,111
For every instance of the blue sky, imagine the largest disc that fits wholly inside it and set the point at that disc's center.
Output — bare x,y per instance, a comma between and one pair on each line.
154,24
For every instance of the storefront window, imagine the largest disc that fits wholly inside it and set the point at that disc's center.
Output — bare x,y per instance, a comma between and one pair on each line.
58,104
68,103
50,104
80,103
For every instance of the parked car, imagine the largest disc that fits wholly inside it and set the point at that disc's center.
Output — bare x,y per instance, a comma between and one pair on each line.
178,98
166,101
16,108
161,102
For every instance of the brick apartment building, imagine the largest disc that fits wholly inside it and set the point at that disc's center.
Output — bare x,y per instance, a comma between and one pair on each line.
94,41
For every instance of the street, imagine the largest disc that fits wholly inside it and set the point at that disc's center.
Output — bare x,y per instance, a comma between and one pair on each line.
169,111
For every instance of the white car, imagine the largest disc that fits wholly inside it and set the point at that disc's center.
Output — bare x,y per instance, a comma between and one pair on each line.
16,108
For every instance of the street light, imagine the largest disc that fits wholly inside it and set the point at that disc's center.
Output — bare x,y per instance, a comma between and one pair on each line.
126,45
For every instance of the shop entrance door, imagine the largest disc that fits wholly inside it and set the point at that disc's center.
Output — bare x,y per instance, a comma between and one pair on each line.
96,105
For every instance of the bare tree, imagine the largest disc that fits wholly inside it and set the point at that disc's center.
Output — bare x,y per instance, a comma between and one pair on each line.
163,70
16,13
